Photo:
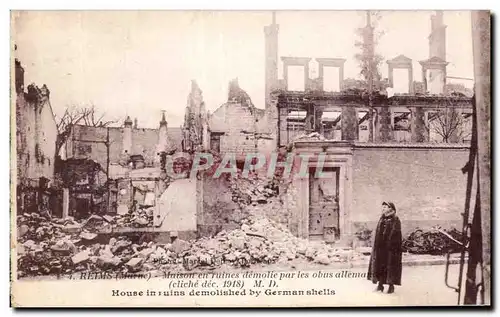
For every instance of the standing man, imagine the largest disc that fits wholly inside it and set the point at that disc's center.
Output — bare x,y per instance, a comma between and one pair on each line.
386,257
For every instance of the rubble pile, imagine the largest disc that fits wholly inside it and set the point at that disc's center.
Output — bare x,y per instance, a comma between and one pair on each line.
432,241
286,246
62,246
142,217
248,191
259,240
263,236
259,197
314,136
47,248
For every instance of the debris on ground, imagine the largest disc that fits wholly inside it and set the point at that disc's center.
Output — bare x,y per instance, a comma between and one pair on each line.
314,136
46,249
432,241
142,217
61,246
248,191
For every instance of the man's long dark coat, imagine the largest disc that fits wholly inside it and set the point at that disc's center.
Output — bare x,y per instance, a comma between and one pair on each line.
385,261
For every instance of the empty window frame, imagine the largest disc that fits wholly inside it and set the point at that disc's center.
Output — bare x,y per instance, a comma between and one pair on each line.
401,84
331,79
296,78
401,121
363,126
331,125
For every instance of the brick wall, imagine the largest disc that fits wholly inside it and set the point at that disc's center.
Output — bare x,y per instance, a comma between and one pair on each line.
233,118
87,142
144,142
427,186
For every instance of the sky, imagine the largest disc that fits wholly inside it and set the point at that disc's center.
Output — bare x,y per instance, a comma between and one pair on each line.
139,63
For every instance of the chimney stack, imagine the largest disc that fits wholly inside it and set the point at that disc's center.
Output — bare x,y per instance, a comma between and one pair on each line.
437,38
19,74
435,81
127,136
162,134
271,53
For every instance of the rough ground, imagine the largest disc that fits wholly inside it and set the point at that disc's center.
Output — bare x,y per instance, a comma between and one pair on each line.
61,246
46,247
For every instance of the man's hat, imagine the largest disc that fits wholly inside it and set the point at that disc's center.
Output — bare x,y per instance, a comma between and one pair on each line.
389,204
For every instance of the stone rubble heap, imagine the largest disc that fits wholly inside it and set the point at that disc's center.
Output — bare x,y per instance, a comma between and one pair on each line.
262,237
434,241
259,197
260,240
142,217
62,246
253,191
46,248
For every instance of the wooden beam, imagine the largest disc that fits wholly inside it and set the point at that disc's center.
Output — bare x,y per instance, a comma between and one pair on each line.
481,40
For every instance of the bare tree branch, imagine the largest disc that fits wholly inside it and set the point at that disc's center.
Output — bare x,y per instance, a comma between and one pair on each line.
77,115
449,124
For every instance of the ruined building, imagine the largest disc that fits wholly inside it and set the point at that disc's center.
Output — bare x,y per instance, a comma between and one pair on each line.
406,143
195,128
413,156
130,155
129,145
410,150
36,131
238,126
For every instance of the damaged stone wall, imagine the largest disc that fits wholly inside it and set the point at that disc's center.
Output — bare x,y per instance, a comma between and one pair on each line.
291,203
219,208
227,201
243,125
144,142
96,149
237,124
36,131
195,120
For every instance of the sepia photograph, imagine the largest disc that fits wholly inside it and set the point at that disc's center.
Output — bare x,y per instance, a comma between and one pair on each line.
250,158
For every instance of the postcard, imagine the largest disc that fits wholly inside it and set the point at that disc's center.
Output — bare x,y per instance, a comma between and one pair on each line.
250,158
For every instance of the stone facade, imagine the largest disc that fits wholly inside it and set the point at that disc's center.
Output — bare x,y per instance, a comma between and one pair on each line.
36,132
369,174
403,163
